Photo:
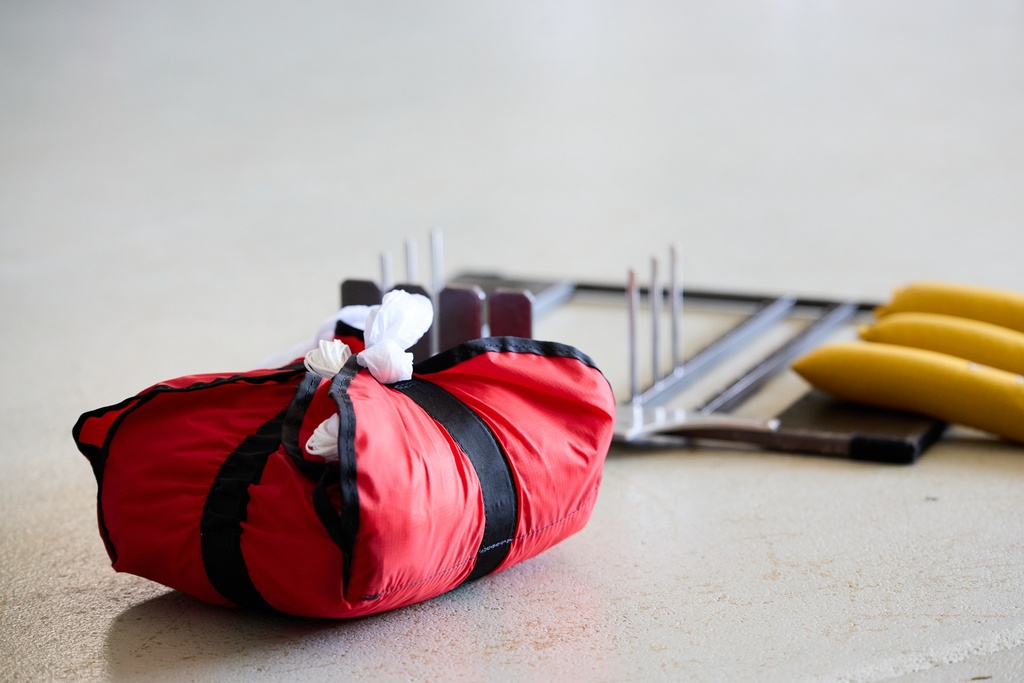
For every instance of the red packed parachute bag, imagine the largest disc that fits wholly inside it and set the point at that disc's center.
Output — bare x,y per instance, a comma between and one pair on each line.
331,493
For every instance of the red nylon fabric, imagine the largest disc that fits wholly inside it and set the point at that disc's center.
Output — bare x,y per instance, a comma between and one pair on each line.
545,412
292,562
421,513
421,510
159,470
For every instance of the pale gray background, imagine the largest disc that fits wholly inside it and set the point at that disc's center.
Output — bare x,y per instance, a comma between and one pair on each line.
183,185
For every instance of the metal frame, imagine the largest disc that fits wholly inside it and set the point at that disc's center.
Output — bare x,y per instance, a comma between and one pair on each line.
471,305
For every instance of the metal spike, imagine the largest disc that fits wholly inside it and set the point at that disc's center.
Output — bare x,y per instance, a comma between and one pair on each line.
411,261
654,297
676,308
386,279
436,281
632,306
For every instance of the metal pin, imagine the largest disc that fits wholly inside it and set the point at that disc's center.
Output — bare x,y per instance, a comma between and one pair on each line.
632,305
654,296
411,261
676,303
436,260
436,281
386,279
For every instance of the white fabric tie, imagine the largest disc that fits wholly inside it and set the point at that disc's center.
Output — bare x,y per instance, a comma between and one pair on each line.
324,440
391,328
388,329
328,359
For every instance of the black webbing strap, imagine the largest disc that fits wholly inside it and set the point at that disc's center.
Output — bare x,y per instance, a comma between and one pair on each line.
346,529
225,510
478,442
342,527
97,453
293,422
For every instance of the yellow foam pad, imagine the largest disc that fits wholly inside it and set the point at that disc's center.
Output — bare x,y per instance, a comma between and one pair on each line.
991,305
916,380
985,343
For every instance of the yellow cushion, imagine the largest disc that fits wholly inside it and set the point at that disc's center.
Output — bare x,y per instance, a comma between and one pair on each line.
920,381
985,343
996,306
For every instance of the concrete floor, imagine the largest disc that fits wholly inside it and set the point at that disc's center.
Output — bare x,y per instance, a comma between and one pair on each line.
183,186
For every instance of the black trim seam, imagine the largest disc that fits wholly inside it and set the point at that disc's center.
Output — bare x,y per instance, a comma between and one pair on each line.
477,347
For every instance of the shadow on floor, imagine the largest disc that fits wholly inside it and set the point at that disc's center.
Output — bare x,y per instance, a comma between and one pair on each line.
174,634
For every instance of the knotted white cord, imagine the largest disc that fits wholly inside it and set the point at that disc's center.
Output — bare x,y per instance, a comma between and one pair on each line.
389,329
